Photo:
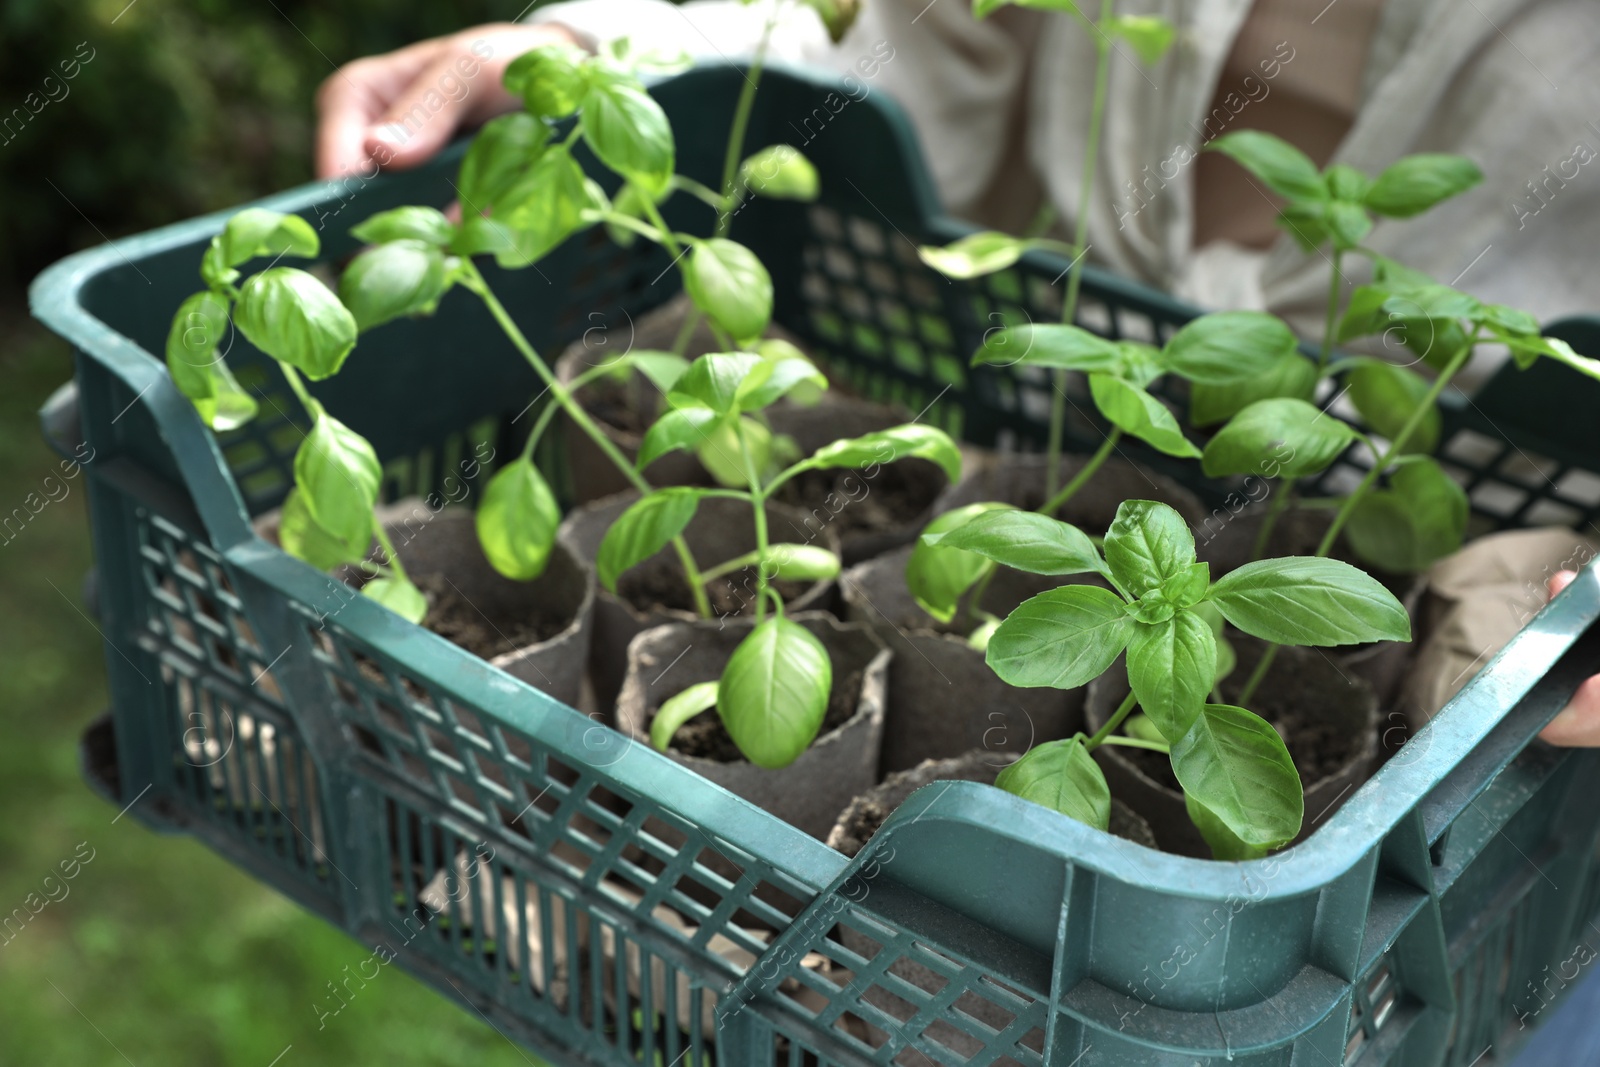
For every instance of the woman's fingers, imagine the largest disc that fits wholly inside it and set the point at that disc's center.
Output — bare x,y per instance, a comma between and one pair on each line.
398,110
1578,724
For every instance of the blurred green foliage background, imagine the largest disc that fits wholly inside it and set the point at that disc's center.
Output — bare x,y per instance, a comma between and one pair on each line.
159,952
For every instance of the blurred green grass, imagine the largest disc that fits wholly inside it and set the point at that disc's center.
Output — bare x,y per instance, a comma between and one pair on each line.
160,952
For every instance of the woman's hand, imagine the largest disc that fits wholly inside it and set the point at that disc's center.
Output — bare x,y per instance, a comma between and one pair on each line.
397,110
1578,724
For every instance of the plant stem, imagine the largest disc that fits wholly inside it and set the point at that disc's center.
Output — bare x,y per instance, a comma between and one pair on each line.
975,610
741,122
1122,712
1138,742
388,550
680,344
1095,462
298,387
1274,513
475,281
1457,361
759,503
1333,313
1080,230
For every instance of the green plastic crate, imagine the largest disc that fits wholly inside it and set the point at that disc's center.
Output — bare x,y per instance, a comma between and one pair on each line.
674,923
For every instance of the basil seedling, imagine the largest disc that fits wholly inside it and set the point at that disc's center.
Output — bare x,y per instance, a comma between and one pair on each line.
327,518
774,690
1160,610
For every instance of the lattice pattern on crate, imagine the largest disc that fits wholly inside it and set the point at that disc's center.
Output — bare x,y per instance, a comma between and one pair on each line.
1374,1001
901,332
235,755
1490,979
886,994
571,817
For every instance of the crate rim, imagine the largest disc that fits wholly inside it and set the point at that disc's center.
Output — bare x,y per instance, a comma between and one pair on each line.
1466,725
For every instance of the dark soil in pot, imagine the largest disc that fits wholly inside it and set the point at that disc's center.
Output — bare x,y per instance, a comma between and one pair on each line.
655,592
1383,664
1329,719
536,631
841,762
943,698
869,811
625,408
874,509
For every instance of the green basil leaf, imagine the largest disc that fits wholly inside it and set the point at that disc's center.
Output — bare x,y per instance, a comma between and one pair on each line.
1224,843
338,474
1049,345
1285,169
780,172
539,211
198,371
1187,588
1365,315
1026,541
774,692
718,381
229,406
1511,320
1061,776
1062,638
1227,659
722,453
1419,519
886,446
1527,349
1148,543
788,561
425,224
1136,412
1412,185
1148,35
727,282
389,281
500,153
1229,346
1432,302
1172,667
517,520
303,538
644,529
629,132
1278,439
255,232
1347,223
1307,221
1138,363
685,428
293,317
399,596
1386,395
1140,726
974,255
1305,600
984,8
1234,763
551,79
1346,183
784,376
937,577
679,709
1293,376
662,368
